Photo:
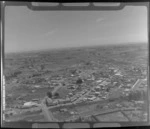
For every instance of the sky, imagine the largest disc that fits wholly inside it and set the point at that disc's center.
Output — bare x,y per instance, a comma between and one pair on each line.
27,30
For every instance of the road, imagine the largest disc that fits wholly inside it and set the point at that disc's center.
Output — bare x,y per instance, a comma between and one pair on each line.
109,111
116,110
48,114
137,84
56,88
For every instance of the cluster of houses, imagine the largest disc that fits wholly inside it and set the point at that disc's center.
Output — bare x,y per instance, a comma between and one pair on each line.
92,88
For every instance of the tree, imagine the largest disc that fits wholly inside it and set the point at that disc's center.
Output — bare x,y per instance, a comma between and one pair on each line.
42,67
88,63
56,94
79,81
49,94
108,89
63,84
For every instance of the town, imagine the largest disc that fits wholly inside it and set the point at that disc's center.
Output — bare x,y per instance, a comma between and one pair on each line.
87,86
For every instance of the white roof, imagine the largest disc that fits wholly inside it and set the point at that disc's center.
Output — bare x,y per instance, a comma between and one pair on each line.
29,104
126,89
37,86
98,80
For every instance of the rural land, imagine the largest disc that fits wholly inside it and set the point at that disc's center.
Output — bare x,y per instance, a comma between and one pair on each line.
86,84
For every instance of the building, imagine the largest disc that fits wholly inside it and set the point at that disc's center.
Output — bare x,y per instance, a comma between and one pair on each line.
48,101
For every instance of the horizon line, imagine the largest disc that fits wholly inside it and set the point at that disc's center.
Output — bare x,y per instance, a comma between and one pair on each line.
74,47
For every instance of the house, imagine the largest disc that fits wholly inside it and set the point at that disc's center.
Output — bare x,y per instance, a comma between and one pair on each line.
67,100
84,99
97,93
115,70
61,101
73,113
29,104
35,100
98,81
48,101
37,86
118,105
118,74
97,88
64,110
55,102
127,90
91,97
70,94
103,97
114,83
104,83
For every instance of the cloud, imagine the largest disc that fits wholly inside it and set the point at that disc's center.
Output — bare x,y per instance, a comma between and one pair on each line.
50,32
99,20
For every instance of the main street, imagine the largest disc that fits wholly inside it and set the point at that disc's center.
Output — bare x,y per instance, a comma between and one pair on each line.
47,113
